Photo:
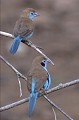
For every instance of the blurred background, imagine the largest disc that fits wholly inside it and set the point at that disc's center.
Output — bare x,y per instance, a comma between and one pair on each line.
57,31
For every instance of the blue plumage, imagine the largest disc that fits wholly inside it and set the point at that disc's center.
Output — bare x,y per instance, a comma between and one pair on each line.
32,101
32,98
15,44
47,83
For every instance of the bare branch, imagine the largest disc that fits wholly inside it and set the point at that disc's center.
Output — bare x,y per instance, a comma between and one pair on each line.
29,43
19,75
54,113
57,107
62,86
6,34
26,99
16,71
20,88
14,104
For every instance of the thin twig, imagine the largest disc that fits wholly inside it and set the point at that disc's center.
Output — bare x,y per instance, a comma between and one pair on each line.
19,75
20,86
57,107
6,34
29,43
6,107
54,113
15,70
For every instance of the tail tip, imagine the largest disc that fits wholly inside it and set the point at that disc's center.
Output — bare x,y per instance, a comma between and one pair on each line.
11,51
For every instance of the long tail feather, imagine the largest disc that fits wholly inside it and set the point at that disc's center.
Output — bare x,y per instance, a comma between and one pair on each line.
32,101
15,44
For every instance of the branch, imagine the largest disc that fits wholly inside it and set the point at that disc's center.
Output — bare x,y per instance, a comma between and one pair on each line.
61,86
20,88
15,70
55,116
19,75
14,104
57,107
26,99
29,43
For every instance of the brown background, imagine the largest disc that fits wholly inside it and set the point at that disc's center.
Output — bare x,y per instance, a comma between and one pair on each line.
57,31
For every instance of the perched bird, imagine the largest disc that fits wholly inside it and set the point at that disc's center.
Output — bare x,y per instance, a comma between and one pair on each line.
24,28
38,79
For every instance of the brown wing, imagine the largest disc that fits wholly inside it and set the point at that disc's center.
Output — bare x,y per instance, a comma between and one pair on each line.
39,75
23,27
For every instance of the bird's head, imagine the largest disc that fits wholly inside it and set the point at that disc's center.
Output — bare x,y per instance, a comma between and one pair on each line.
40,60
29,13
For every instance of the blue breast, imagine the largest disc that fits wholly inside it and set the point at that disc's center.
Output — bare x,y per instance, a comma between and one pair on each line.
48,81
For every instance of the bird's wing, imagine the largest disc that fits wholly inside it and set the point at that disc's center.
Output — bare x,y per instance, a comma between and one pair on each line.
23,28
39,75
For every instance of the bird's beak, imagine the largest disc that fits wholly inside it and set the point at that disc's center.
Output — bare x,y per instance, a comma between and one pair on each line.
36,14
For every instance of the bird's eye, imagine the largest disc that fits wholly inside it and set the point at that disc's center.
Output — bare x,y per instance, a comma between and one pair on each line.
44,61
43,64
31,13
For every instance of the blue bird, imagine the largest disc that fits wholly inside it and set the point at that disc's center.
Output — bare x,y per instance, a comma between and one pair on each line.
23,29
38,79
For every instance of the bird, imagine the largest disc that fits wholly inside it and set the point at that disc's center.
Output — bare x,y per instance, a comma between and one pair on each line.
38,78
24,28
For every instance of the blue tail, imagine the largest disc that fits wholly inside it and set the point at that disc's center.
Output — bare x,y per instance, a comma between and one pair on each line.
32,98
32,101
15,44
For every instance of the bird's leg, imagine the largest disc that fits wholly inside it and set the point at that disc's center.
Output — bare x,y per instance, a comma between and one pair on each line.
42,91
29,43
